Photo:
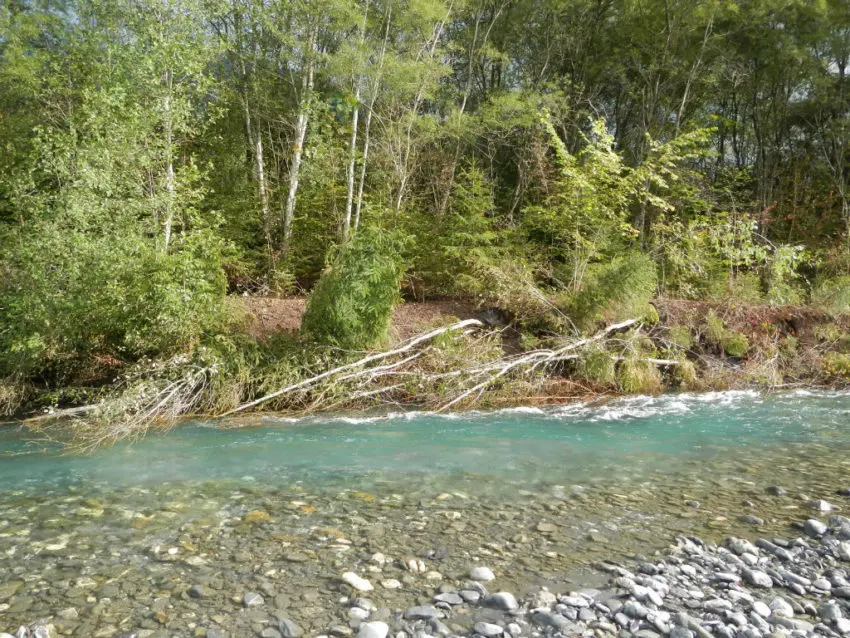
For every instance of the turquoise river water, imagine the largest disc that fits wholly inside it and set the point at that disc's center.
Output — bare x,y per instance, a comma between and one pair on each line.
285,506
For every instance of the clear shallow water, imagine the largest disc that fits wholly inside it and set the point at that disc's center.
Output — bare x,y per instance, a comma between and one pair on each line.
572,444
285,507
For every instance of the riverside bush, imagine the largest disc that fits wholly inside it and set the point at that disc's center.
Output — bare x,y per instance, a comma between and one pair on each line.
615,291
735,344
68,297
636,375
832,294
352,303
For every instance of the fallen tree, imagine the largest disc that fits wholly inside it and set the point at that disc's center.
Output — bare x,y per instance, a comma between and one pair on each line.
405,375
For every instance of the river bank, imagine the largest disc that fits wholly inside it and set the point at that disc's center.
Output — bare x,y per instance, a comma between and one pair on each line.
446,355
173,536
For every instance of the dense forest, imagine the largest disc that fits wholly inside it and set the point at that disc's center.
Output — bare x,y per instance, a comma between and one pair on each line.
159,155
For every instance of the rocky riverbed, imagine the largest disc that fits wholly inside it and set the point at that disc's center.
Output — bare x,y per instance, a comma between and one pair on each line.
258,547
266,563
778,586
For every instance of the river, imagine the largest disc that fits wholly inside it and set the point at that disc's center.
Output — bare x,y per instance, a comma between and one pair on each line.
113,541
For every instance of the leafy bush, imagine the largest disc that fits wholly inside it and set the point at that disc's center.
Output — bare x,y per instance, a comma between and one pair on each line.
788,347
715,329
637,375
597,365
67,297
680,336
832,294
685,373
735,344
352,303
618,290
508,285
745,287
837,365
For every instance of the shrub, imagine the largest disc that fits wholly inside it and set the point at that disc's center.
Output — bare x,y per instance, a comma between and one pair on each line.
635,375
618,290
352,303
832,295
788,347
836,365
597,365
67,298
715,329
685,373
509,285
735,344
746,287
680,336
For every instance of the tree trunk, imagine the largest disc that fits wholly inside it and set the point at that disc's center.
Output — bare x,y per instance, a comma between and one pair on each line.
368,124
298,149
170,186
352,145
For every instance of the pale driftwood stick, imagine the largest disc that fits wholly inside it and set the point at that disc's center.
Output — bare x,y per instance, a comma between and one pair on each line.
538,357
412,343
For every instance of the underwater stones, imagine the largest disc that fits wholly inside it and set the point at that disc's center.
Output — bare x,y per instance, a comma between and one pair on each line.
373,630
358,583
7,590
196,591
252,599
422,612
482,574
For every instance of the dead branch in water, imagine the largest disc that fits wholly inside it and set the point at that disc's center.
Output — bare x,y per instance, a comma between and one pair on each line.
406,347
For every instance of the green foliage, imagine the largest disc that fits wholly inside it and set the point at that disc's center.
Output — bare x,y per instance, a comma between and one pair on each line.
745,287
685,374
735,344
715,329
836,365
788,348
449,248
615,291
832,294
352,303
508,285
597,365
635,375
67,297
780,275
681,337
